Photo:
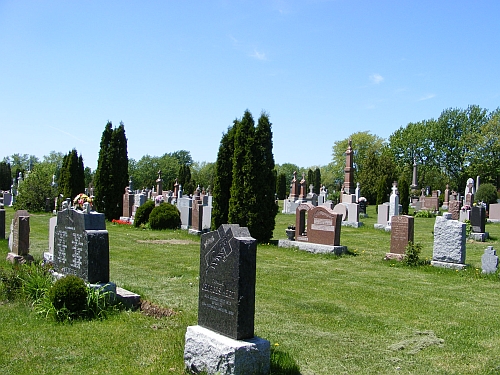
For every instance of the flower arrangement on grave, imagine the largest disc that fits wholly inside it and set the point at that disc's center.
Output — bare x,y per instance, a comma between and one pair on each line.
159,199
80,199
465,208
121,222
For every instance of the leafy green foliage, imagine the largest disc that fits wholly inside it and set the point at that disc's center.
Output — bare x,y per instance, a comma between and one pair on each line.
281,186
72,175
468,228
412,254
35,188
69,297
165,216
486,193
424,214
143,212
5,176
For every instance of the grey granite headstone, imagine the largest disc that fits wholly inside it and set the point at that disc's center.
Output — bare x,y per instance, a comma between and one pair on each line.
449,242
227,281
81,245
489,260
20,233
495,211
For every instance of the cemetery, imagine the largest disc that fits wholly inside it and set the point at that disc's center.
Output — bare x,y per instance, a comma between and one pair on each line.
380,315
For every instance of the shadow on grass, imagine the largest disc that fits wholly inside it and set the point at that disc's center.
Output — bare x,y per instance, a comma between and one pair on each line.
282,363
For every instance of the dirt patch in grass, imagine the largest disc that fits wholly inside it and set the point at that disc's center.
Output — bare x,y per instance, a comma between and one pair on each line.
170,242
150,309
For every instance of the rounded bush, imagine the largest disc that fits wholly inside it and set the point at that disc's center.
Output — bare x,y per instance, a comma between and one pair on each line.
69,292
165,216
143,212
486,193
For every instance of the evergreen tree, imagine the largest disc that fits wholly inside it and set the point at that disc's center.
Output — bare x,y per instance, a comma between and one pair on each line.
242,194
111,176
5,176
223,178
317,180
281,186
310,179
381,190
264,209
404,194
71,177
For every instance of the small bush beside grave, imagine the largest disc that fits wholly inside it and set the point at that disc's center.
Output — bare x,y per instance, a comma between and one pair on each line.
143,212
165,216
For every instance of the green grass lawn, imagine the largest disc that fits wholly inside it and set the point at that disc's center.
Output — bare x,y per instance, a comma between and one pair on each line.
354,314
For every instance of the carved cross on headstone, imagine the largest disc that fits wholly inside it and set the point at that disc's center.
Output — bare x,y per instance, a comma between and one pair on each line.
394,188
311,187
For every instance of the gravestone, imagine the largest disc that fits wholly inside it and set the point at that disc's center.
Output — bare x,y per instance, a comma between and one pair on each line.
2,223
402,232
478,219
184,205
323,225
19,238
393,203
454,209
362,206
489,260
382,216
49,256
7,199
341,209
81,245
449,243
224,341
494,212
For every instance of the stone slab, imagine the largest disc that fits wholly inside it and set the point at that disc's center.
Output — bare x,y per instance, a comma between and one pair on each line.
449,240
489,260
212,353
479,237
453,266
402,232
313,247
21,259
127,298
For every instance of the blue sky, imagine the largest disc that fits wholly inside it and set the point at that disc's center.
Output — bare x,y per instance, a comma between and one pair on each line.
177,73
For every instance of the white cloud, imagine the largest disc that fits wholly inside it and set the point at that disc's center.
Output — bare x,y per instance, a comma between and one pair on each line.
259,55
376,79
426,97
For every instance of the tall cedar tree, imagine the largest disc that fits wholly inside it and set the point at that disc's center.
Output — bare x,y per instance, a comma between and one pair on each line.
264,180
281,186
223,178
317,180
404,194
72,177
242,197
111,176
310,179
5,176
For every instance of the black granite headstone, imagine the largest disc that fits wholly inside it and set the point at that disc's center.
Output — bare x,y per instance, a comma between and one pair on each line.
81,245
362,207
478,219
226,302
2,224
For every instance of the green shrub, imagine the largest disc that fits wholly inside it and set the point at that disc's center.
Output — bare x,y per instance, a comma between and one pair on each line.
69,297
10,283
165,216
486,193
425,213
36,281
468,228
412,254
143,212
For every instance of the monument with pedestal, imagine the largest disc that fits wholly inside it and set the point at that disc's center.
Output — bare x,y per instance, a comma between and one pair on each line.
223,342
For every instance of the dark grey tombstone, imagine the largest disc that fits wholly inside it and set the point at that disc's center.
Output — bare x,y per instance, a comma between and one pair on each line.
478,219
226,302
489,260
81,245
21,233
2,223
362,207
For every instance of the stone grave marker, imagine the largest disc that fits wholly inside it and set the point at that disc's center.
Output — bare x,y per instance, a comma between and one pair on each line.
382,216
494,212
323,226
49,256
81,245
224,341
402,232
454,209
2,223
19,238
341,209
478,219
449,243
489,260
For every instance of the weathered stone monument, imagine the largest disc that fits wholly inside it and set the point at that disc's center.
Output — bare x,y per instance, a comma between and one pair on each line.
402,232
449,243
223,342
454,209
489,260
81,245
494,213
382,216
19,238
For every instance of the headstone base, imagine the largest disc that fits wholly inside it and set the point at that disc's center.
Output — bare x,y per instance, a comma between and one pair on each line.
197,232
212,353
314,248
21,259
363,216
129,299
453,266
48,258
184,227
390,256
352,224
479,237
379,226
493,221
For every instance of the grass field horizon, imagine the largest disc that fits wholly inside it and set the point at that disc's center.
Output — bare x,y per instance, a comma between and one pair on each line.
354,314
